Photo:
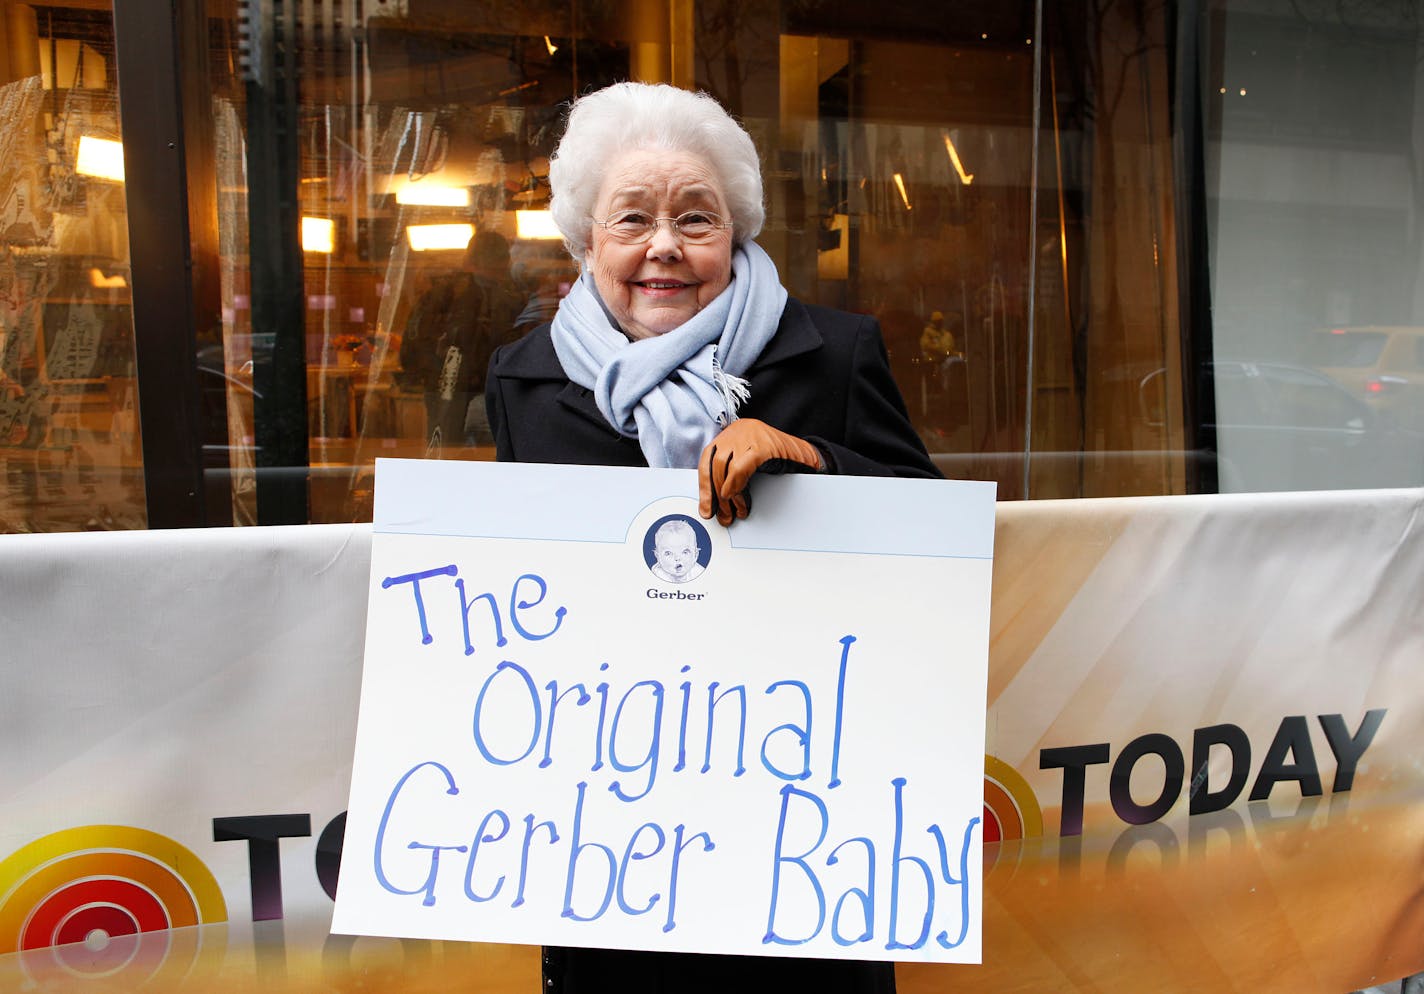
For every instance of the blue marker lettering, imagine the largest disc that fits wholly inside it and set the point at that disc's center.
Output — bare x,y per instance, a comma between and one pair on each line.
678,845
429,886
962,882
516,605
529,830
897,860
554,698
866,896
602,691
576,850
628,856
434,867
465,605
650,758
686,688
479,711
802,733
480,838
414,580
787,793
840,714
713,699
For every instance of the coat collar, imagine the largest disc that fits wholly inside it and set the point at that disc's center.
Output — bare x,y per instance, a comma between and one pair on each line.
534,358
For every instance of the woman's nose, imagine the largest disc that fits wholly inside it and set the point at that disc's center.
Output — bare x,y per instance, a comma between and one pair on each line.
666,243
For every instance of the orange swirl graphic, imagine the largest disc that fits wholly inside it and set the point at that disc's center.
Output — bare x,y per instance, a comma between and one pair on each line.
111,879
1011,810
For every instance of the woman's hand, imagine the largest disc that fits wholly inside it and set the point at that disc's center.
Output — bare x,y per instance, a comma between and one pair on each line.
738,451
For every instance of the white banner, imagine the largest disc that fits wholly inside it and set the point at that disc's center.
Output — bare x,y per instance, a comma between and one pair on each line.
178,716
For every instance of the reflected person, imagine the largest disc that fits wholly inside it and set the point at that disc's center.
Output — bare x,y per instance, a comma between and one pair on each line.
455,327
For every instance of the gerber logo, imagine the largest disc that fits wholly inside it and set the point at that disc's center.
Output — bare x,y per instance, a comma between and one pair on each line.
109,887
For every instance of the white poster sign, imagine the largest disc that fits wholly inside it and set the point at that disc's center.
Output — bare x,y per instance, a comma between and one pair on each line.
590,718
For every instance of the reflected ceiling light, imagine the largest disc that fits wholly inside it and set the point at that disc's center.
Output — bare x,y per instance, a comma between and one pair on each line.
535,225
900,185
318,235
438,237
99,281
424,194
965,178
550,45
100,158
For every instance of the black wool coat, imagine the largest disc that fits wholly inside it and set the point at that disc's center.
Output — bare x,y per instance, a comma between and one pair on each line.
823,376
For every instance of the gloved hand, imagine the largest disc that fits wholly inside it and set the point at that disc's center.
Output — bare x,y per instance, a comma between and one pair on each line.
738,451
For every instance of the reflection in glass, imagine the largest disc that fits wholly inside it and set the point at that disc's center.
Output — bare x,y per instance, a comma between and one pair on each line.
69,434
1024,279
1315,187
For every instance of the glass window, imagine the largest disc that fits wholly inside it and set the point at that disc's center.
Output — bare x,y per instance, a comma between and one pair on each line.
1002,186
69,433
1313,181
1024,279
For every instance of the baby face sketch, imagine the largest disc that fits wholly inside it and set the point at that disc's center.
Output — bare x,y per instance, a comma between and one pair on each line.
676,552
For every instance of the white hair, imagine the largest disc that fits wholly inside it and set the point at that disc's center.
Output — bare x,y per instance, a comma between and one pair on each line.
635,116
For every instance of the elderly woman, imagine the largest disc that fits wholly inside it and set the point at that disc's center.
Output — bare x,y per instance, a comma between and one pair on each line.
679,347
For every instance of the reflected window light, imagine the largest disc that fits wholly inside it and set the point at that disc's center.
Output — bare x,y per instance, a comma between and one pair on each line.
550,45
99,281
433,195
100,158
965,178
900,185
437,237
535,225
318,235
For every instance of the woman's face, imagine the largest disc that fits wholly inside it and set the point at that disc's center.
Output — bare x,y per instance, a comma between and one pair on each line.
653,287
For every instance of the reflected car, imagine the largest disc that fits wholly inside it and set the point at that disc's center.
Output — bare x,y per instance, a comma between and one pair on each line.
1284,427
1383,365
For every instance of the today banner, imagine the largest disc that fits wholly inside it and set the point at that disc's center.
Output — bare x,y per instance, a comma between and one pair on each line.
598,721
1204,754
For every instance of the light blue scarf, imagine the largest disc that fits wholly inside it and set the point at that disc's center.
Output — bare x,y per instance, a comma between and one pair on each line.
675,391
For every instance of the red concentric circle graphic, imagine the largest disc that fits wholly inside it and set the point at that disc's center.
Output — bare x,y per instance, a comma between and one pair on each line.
102,899
1011,810
100,903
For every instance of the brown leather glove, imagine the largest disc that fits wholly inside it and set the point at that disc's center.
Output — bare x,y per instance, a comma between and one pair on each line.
738,451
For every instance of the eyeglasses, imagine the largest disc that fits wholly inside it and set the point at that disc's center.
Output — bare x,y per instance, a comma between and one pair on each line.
633,227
